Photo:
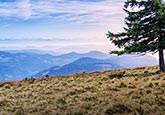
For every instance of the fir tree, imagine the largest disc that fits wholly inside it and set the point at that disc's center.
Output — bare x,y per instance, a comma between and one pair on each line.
144,31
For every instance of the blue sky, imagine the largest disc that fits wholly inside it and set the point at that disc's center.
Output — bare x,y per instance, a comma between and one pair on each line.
59,25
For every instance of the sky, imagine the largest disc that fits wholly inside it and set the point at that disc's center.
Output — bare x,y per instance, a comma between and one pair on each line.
59,25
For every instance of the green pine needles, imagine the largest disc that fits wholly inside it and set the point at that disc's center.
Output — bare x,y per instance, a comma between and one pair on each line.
144,31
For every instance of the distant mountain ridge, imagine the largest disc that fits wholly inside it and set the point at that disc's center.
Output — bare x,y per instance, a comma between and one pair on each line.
80,65
91,65
15,65
18,65
72,56
129,61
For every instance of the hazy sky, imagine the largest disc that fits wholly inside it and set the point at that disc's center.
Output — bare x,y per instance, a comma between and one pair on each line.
59,25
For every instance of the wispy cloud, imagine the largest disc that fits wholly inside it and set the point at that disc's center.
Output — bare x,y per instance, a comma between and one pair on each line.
56,46
75,11
16,9
59,25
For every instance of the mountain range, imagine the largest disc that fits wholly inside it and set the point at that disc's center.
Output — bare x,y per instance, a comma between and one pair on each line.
80,65
91,65
14,66
17,65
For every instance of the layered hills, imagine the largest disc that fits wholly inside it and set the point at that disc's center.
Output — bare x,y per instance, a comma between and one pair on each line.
17,65
92,64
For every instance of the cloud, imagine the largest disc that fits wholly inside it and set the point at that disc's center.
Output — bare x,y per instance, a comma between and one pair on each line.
79,47
74,11
16,9
42,24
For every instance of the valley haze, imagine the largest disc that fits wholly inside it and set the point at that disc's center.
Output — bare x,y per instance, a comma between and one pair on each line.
21,64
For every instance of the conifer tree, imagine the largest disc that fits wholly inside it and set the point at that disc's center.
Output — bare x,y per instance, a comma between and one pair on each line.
144,31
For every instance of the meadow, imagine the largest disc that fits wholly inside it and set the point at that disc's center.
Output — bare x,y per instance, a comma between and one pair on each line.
136,91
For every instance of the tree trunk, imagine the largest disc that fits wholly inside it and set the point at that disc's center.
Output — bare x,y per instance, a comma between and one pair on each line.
161,60
161,54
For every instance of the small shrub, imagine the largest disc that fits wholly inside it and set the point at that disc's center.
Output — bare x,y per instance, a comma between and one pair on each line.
129,93
20,111
3,102
1,85
132,86
141,93
79,113
7,86
87,106
140,111
47,75
100,83
148,91
71,93
156,83
136,79
135,97
118,109
150,85
48,92
31,80
157,72
146,72
160,102
117,75
122,85
145,79
90,98
62,101
115,89
26,79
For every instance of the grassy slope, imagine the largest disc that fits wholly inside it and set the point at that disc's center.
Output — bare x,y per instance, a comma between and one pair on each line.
128,91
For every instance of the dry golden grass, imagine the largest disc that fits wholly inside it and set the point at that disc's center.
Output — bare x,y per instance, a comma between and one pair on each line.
138,91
